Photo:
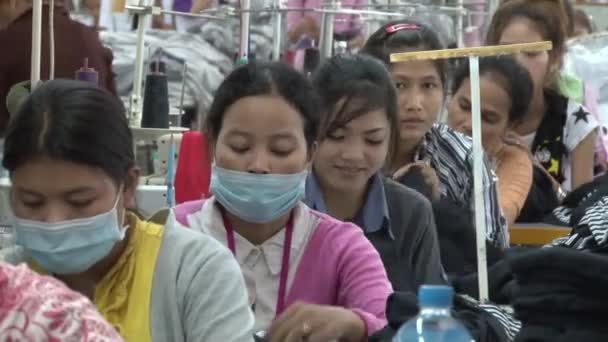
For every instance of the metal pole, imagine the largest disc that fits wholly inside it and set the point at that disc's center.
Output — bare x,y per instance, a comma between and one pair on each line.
326,35
460,24
36,42
181,96
480,222
278,29
136,104
245,23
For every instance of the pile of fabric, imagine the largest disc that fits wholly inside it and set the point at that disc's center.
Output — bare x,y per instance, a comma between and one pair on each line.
585,210
561,295
207,65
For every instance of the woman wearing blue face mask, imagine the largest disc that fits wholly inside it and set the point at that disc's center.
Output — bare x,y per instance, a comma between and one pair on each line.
69,153
309,276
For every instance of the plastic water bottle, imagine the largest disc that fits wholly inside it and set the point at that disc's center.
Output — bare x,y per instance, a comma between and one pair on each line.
434,323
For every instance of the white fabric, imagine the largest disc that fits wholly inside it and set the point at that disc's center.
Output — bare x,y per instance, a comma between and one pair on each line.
261,265
575,131
121,22
586,58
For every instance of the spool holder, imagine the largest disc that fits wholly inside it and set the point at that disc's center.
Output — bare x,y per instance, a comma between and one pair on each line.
328,12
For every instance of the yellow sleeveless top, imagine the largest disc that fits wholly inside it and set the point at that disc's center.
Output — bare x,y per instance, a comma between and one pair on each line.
124,294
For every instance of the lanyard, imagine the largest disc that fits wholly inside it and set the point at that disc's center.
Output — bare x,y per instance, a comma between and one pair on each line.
284,263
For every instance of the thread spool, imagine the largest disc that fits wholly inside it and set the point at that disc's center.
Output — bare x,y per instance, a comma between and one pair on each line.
87,74
156,100
158,67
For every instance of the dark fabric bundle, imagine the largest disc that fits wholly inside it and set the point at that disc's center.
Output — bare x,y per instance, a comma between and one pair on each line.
561,292
585,211
542,334
569,263
541,199
500,283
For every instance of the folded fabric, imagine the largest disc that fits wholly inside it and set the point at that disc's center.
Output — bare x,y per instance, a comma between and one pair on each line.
485,322
500,283
561,292
543,334
561,288
193,173
401,307
585,211
553,281
556,319
570,263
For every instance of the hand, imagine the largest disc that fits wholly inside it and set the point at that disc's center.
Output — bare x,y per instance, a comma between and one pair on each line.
512,138
428,173
317,323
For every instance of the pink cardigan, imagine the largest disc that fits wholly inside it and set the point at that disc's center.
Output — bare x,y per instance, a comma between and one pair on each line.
340,267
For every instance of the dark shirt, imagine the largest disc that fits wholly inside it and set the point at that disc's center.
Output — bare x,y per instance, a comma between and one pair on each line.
450,154
73,43
399,222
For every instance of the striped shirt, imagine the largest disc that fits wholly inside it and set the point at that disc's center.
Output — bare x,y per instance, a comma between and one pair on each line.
450,154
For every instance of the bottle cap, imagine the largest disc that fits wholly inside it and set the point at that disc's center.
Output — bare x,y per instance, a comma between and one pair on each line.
435,296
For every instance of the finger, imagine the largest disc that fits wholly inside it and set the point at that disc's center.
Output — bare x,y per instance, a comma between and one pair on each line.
281,328
325,333
290,312
288,322
296,335
405,169
428,174
299,332
402,171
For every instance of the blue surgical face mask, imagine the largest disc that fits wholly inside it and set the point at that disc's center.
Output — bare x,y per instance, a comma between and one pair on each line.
257,198
70,247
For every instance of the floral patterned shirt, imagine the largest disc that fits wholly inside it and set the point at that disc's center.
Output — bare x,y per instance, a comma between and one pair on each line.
37,308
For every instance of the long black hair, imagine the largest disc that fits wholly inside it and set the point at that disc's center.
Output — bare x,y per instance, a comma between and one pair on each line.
72,121
401,35
351,86
261,78
519,83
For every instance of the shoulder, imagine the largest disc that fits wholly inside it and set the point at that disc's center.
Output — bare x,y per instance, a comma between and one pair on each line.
188,257
516,154
444,132
400,196
453,145
191,244
338,233
579,124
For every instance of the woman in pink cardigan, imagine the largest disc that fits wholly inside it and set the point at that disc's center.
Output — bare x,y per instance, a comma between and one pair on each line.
309,276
